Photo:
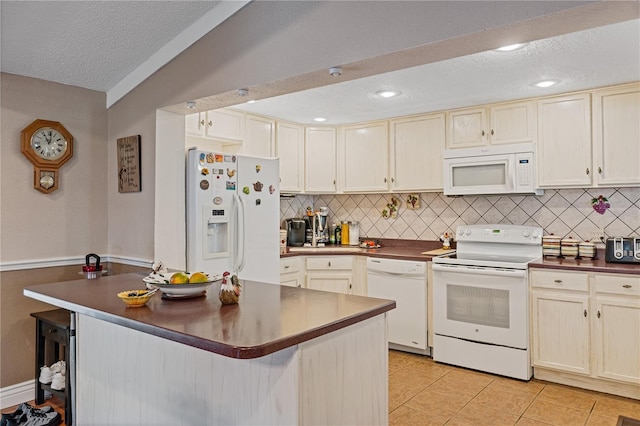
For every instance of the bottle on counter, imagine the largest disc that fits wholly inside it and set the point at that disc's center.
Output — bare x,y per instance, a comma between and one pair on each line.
338,234
345,233
354,233
332,234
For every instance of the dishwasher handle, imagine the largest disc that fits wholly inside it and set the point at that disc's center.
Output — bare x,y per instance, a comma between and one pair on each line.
395,274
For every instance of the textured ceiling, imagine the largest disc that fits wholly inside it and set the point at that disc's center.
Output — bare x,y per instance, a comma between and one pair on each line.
587,59
90,44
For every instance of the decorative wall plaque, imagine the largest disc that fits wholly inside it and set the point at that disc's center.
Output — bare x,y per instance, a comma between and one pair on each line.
129,164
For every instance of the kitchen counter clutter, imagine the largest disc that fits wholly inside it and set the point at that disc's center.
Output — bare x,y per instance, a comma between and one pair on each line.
597,264
283,355
391,249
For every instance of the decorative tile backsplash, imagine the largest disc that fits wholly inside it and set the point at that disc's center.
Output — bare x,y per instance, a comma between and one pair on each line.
578,213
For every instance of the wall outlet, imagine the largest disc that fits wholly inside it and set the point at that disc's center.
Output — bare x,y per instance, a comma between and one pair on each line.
597,236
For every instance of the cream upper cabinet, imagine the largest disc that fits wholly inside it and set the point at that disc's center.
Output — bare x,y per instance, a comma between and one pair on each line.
560,298
320,159
362,157
290,151
616,136
416,153
224,124
617,327
194,124
564,141
512,122
259,136
466,128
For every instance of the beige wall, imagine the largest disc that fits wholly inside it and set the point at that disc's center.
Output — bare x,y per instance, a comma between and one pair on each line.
71,221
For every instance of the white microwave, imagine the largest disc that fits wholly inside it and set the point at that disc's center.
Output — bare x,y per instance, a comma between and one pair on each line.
502,169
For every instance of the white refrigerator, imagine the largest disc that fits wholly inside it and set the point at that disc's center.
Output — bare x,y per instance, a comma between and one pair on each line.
233,215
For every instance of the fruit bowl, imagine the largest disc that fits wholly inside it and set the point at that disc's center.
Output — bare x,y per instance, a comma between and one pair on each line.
177,285
136,298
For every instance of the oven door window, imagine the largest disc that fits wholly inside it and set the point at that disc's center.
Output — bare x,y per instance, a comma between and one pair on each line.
478,305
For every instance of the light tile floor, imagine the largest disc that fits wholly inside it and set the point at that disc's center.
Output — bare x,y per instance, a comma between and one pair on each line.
423,392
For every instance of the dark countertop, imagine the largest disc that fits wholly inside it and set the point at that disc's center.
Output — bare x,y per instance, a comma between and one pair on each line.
268,318
392,249
588,265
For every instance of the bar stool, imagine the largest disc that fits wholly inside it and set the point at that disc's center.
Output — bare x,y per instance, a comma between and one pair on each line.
53,329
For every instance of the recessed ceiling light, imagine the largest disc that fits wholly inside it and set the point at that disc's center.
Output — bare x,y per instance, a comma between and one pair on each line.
387,93
320,119
511,47
242,92
546,83
191,104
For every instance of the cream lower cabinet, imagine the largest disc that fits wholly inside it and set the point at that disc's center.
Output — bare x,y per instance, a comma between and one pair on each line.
292,271
330,273
585,330
617,327
560,321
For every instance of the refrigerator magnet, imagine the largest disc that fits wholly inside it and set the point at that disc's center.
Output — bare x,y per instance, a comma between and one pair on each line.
258,186
202,158
258,168
258,201
231,186
231,172
209,158
272,189
246,190
204,171
204,184
219,158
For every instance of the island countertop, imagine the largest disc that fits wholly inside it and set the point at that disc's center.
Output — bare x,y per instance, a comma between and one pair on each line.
268,318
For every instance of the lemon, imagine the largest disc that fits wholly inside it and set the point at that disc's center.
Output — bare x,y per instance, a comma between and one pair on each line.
198,277
179,278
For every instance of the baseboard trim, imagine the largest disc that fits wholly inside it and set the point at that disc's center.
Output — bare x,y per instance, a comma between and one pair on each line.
17,394
67,261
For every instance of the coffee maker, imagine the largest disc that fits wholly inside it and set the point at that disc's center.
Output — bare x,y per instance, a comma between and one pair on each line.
321,225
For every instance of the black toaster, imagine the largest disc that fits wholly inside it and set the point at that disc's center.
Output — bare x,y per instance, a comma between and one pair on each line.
622,250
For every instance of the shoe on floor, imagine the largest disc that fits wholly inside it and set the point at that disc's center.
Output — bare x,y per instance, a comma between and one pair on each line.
46,375
17,417
58,381
45,416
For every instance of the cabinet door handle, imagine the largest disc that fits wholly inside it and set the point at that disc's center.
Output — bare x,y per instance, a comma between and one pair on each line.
210,123
558,282
202,122
627,286
585,313
599,170
588,170
329,264
385,180
483,133
53,330
392,180
287,267
598,314
492,132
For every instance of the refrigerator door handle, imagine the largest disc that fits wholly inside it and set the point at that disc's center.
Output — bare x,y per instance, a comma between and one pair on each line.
241,236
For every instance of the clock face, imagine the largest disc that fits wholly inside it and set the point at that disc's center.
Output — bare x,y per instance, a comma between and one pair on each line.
48,143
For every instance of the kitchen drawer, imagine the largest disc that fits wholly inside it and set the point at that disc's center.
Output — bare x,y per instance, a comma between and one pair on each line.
560,280
617,284
333,262
290,264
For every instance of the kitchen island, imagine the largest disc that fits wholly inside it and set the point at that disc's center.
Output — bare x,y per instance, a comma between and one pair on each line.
283,355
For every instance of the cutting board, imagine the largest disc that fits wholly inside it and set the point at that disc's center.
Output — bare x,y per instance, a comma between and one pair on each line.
439,252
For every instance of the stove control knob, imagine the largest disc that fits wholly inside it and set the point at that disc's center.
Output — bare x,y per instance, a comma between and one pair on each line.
526,233
460,231
468,232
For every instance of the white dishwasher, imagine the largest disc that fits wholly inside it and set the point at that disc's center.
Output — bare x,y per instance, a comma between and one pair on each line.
405,282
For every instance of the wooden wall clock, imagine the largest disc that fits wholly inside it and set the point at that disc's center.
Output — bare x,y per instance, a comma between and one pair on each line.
48,145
